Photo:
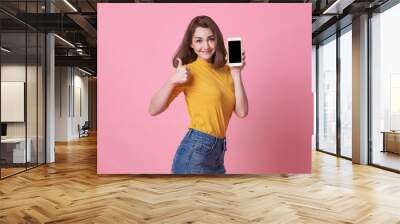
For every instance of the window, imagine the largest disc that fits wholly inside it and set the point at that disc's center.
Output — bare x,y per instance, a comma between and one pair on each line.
346,75
327,95
385,88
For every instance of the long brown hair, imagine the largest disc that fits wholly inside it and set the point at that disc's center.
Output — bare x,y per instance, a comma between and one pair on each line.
187,54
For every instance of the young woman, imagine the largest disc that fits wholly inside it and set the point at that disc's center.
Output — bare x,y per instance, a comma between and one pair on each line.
212,91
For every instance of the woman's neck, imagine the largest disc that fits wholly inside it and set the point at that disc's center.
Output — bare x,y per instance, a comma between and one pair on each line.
204,60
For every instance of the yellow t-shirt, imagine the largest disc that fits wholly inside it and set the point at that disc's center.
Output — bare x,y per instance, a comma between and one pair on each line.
209,96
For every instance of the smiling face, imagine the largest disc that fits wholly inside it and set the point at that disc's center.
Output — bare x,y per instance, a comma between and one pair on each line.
203,43
202,40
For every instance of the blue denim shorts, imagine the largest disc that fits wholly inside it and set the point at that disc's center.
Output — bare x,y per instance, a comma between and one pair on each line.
200,153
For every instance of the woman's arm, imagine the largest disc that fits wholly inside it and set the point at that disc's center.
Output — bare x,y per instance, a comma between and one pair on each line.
159,102
241,105
174,85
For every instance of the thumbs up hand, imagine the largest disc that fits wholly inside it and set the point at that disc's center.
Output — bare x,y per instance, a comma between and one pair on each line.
181,75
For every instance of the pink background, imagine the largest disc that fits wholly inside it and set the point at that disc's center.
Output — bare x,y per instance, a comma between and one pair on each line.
136,43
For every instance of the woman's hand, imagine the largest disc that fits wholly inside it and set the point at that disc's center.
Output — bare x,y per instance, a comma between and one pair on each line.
181,75
235,70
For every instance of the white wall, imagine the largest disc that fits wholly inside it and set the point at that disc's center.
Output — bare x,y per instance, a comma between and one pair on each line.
61,103
71,93
13,73
81,102
17,73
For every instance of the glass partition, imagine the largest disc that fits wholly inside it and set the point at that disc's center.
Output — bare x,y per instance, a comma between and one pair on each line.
327,95
13,108
22,77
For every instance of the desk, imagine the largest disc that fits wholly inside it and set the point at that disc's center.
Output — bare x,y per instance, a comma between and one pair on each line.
15,148
391,141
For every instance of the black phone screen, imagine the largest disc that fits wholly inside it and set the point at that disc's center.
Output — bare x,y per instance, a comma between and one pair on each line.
234,50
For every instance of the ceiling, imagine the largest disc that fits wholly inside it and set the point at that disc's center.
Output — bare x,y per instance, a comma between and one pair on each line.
76,22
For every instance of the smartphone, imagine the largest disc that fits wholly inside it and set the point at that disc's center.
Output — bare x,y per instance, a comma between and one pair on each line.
235,51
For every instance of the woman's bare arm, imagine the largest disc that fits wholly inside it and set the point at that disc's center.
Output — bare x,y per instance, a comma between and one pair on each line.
159,102
241,105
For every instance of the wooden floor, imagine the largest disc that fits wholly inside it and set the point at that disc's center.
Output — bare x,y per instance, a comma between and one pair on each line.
5,172
70,191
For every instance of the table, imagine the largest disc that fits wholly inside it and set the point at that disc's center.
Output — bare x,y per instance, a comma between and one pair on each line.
15,148
391,141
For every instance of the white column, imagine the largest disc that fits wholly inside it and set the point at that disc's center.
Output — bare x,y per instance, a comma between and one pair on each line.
360,90
50,92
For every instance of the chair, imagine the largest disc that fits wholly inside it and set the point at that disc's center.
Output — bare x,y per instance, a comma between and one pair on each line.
84,130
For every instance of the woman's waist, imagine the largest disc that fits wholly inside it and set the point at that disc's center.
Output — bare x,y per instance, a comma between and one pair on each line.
197,133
